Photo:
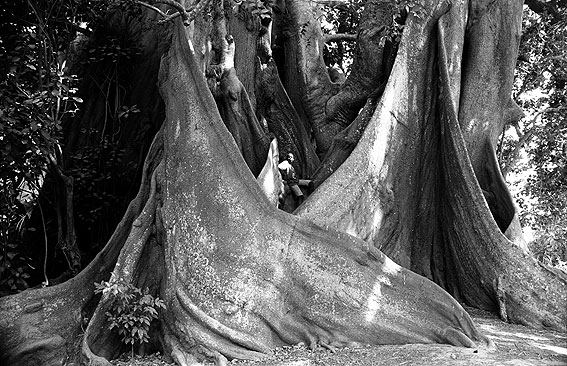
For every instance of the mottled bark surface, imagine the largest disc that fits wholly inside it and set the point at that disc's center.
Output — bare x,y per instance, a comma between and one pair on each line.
402,190
245,277
486,106
301,66
368,68
344,143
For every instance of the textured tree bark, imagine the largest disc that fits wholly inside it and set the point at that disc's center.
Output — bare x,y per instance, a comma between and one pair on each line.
244,277
283,121
345,141
240,119
486,107
407,192
372,64
232,98
378,183
301,66
525,291
329,107
369,67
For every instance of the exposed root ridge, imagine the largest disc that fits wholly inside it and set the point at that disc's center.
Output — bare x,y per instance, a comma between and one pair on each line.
494,271
238,338
97,335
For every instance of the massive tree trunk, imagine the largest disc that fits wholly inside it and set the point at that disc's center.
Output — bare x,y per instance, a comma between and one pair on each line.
410,186
240,277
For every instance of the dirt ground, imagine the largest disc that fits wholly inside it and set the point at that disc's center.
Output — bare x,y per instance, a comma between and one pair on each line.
515,346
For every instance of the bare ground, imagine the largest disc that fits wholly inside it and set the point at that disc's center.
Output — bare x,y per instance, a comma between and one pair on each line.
515,346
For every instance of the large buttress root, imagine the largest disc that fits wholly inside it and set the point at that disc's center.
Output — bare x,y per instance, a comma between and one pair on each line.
430,213
378,184
99,342
520,288
242,277
343,143
486,106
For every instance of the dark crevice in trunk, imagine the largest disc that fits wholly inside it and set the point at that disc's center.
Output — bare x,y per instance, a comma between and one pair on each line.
283,121
494,189
429,256
344,142
238,116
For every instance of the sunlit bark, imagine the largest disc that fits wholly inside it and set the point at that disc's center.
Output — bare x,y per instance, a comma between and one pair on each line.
401,190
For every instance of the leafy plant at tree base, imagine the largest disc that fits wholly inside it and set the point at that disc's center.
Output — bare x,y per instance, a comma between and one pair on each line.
131,310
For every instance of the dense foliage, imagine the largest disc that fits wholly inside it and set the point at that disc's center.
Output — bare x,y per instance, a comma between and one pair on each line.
45,49
534,152
37,93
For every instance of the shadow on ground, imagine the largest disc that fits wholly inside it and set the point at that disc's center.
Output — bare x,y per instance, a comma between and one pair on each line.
515,346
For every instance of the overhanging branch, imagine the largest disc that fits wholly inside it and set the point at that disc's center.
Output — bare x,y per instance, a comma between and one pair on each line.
187,15
156,9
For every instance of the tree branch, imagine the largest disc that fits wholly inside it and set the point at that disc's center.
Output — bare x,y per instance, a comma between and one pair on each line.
156,9
337,37
541,7
187,15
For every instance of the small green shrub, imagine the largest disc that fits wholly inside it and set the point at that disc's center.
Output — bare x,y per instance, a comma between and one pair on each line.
131,310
